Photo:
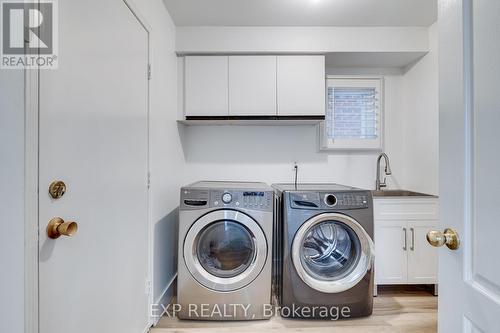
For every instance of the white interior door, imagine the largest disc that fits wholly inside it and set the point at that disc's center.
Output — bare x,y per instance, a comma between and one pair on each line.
94,137
469,164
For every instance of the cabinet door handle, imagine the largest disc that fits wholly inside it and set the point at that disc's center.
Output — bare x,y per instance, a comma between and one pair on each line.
412,247
405,246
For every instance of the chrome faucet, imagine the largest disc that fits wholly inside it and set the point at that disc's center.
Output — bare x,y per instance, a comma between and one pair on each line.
378,183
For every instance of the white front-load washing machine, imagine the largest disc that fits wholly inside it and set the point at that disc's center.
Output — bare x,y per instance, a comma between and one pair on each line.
225,251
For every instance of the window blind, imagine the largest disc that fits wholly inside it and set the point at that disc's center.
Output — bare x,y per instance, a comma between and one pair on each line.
352,113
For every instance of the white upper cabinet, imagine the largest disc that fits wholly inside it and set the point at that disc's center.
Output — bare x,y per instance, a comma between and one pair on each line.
252,85
301,85
206,86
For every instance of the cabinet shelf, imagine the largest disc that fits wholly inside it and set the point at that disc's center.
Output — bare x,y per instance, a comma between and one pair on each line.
253,121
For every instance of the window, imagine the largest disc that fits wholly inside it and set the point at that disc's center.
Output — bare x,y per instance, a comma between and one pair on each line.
354,114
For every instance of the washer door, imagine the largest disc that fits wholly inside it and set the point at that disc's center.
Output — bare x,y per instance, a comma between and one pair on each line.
332,252
225,250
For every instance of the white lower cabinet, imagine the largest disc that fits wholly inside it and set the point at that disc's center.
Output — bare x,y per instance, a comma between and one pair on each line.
422,257
391,260
402,254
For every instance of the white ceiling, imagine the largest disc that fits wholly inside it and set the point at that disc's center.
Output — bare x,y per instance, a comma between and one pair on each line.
302,12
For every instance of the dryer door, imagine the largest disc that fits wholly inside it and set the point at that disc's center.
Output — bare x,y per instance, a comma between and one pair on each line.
332,252
225,250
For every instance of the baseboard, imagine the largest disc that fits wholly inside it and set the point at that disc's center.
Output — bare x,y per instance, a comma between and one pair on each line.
146,330
165,298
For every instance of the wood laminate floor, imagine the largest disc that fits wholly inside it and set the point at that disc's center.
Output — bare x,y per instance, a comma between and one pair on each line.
408,310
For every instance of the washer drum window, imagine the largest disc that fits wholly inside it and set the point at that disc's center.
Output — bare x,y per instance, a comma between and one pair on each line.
225,250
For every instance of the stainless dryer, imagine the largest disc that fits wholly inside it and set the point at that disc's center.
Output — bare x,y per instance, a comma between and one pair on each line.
225,251
325,251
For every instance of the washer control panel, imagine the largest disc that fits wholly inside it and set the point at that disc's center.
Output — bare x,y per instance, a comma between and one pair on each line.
257,200
227,198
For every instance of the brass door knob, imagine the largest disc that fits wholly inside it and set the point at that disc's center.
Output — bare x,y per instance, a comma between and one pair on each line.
58,227
449,238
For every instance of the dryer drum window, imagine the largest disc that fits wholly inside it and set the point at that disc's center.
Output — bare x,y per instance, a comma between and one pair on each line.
225,248
330,250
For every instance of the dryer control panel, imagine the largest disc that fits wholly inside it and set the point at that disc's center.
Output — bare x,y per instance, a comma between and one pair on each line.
330,200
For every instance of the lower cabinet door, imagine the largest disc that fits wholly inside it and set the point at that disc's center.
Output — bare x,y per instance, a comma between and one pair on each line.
391,245
422,257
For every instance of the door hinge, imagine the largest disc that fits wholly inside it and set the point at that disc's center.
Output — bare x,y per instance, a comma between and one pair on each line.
149,71
149,180
148,287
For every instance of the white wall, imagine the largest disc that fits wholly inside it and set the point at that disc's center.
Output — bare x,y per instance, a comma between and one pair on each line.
301,39
166,154
12,200
268,153
420,98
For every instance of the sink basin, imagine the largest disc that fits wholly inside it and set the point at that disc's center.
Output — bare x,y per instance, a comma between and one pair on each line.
399,193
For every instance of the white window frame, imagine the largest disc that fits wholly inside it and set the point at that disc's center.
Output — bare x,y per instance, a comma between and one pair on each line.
326,144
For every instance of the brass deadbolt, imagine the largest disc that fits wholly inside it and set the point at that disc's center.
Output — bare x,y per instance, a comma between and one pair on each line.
58,227
449,238
57,189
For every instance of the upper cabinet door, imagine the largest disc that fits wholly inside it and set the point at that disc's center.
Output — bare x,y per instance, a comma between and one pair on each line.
301,85
252,85
206,86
